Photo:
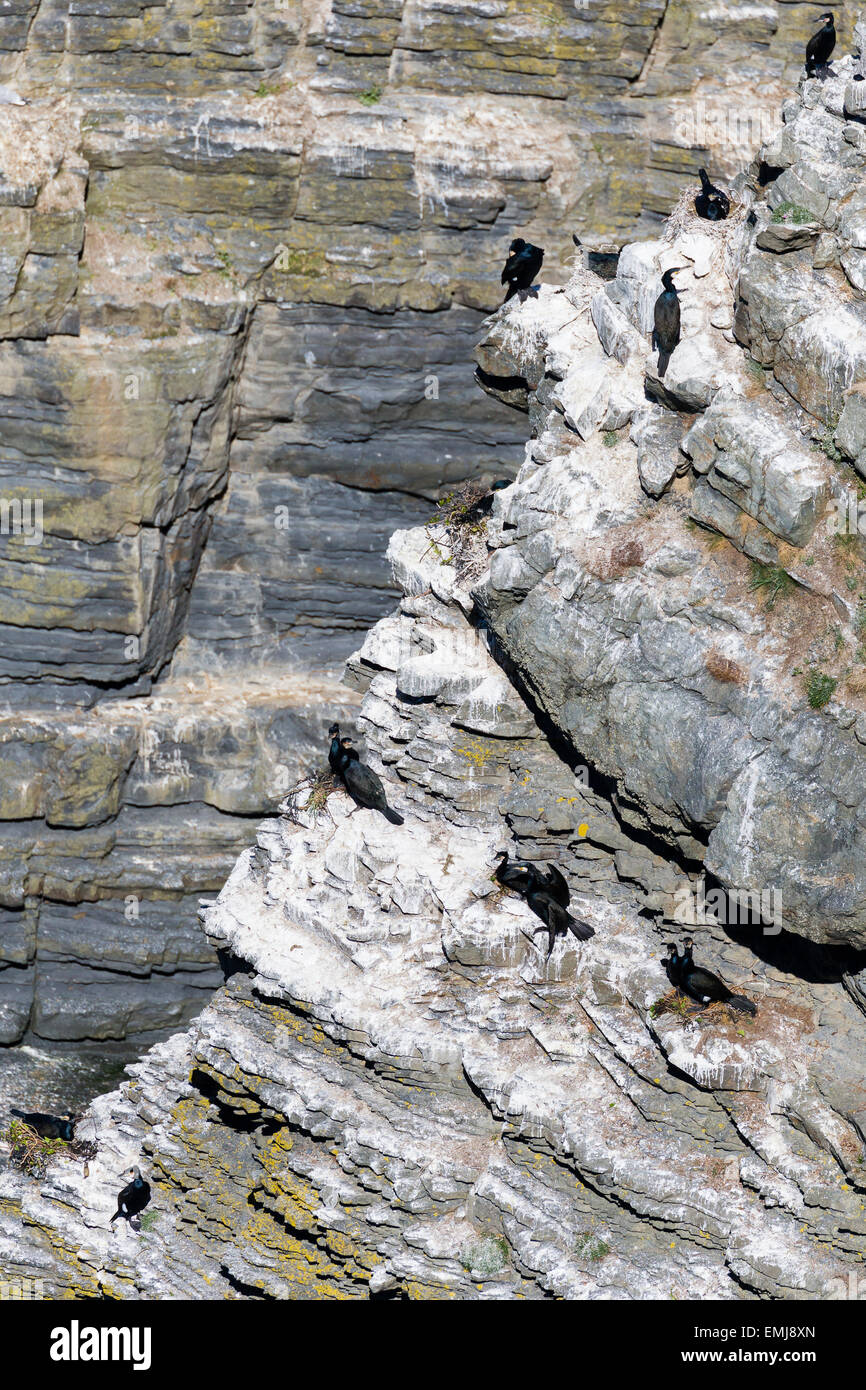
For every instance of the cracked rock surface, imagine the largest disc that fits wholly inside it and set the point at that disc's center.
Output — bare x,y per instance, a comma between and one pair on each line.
397,1093
646,667
246,252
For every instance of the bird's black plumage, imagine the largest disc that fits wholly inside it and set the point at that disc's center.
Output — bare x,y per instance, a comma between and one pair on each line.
347,751
523,877
133,1198
705,987
712,203
514,873
334,750
362,783
48,1126
666,316
555,918
546,892
551,881
821,45
673,964
522,266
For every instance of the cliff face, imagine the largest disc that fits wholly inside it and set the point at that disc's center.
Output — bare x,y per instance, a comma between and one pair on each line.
646,667
246,251
397,1095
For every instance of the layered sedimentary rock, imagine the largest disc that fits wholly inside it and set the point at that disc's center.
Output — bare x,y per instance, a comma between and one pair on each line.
246,251
398,1095
645,667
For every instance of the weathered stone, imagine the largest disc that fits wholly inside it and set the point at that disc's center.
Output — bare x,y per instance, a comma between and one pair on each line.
780,237
850,434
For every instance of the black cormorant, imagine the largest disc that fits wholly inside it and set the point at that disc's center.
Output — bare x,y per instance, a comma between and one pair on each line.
334,750
514,874
711,203
673,964
134,1197
348,752
546,892
666,333
521,268
483,507
48,1126
705,987
522,877
555,917
821,45
363,785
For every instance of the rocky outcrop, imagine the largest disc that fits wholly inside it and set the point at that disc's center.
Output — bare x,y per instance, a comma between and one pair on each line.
397,1095
246,249
729,718
645,667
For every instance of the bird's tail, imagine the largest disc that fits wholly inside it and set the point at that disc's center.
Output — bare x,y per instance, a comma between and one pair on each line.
393,816
512,289
664,359
582,930
739,1001
22,1114
115,1216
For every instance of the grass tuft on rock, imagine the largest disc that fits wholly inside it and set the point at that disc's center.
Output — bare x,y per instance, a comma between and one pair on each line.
722,668
792,214
771,580
310,795
487,1256
31,1153
671,1003
461,525
589,1246
820,688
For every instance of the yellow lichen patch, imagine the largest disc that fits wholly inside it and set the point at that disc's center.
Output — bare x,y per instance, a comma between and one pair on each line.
477,752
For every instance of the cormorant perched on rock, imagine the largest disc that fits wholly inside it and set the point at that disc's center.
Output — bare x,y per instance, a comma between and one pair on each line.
478,510
705,987
673,964
362,784
133,1198
711,203
515,874
348,751
523,877
555,917
666,333
334,756
821,45
521,268
48,1126
546,893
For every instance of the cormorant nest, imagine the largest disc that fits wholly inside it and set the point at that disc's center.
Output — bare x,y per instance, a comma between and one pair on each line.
32,1154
